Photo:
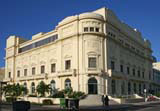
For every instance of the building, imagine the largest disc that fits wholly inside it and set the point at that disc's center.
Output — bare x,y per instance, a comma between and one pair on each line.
93,52
156,73
2,73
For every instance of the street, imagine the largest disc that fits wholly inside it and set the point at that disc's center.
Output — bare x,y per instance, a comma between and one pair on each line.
129,107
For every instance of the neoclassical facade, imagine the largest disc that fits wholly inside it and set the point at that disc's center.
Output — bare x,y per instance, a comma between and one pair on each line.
156,73
93,52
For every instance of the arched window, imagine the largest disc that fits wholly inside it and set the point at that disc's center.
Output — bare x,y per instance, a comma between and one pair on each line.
67,83
123,88
113,87
92,86
129,88
53,87
140,90
32,88
25,86
135,88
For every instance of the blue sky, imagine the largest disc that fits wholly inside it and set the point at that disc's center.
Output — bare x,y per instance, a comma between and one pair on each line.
27,17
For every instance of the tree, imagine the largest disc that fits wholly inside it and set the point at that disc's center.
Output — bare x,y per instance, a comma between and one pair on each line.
14,90
42,88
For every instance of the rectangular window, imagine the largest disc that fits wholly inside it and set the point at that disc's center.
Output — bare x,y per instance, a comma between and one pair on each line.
9,75
91,29
67,64
134,72
18,73
121,68
97,29
85,29
53,68
149,75
112,65
139,74
92,62
128,70
42,69
25,72
33,70
143,74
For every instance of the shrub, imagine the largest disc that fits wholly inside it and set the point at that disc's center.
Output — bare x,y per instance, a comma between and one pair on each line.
47,102
75,94
158,94
59,94
32,95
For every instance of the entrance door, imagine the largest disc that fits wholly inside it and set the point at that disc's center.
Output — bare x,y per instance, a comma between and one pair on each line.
92,86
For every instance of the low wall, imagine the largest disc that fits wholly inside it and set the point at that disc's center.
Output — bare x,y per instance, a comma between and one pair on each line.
127,100
40,99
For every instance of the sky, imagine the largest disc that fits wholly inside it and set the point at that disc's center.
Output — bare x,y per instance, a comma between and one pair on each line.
25,18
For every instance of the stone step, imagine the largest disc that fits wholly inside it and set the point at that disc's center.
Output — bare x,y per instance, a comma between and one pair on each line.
94,100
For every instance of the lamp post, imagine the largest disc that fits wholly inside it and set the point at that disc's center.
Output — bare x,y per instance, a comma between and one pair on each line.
145,95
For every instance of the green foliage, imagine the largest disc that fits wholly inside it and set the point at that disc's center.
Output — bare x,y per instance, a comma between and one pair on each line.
47,102
42,88
14,90
158,95
75,94
68,91
58,94
31,95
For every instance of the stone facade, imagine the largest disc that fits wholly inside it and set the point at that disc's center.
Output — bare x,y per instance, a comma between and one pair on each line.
93,52
156,73
2,73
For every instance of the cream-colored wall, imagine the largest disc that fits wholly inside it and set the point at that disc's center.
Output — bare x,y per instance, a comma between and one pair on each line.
76,45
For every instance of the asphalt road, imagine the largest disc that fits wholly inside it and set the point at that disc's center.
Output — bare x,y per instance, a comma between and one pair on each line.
148,107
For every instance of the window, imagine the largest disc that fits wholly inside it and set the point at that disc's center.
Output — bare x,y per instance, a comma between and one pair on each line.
25,88
135,88
149,75
97,29
67,64
121,68
123,88
139,74
129,88
92,62
85,29
128,70
25,72
53,68
9,75
134,72
143,74
18,73
53,87
113,87
112,65
33,70
42,69
140,89
91,29
67,83
32,88
39,43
